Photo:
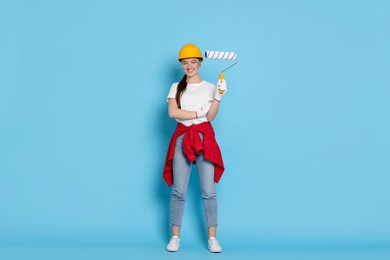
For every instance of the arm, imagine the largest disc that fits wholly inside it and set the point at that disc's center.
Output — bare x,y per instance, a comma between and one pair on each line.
175,112
220,91
213,111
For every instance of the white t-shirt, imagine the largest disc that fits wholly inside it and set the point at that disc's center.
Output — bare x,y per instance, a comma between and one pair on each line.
195,97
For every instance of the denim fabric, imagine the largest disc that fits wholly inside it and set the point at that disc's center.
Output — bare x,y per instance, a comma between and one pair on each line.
181,176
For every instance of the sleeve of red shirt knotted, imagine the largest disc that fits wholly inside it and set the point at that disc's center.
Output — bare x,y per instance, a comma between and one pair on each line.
192,143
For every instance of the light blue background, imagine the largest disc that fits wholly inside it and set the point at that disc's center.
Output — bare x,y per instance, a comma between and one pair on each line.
304,129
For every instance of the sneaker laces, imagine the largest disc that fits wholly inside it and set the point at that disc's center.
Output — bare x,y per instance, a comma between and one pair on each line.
214,242
174,239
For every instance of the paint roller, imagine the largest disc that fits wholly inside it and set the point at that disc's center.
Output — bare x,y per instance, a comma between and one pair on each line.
222,55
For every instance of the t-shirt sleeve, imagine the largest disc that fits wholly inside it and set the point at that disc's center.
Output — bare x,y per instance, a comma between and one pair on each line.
172,91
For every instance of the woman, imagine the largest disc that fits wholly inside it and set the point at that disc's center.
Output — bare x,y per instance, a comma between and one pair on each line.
194,103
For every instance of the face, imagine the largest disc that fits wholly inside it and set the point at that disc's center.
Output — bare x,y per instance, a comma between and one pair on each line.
190,66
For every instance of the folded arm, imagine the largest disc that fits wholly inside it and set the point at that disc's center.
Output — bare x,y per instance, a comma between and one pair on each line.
220,91
213,111
175,112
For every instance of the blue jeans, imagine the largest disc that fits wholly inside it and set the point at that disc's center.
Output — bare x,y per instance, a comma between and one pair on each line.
181,176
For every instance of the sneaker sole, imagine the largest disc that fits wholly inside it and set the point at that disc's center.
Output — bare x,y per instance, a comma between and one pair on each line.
218,251
173,250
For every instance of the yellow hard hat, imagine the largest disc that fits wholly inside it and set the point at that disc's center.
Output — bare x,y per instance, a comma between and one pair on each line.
190,51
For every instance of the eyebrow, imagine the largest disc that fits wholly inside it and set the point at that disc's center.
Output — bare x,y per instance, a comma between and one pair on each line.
191,60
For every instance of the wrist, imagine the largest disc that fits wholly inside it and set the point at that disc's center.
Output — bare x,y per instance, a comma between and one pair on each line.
217,96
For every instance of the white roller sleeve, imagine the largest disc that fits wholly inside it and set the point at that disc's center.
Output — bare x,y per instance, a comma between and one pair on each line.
221,55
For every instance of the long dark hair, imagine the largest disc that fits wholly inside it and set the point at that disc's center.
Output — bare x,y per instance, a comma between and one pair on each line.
180,89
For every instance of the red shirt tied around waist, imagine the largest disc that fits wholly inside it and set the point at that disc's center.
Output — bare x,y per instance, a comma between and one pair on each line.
192,145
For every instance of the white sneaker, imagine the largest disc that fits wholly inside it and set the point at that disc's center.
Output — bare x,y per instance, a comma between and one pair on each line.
174,244
214,246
